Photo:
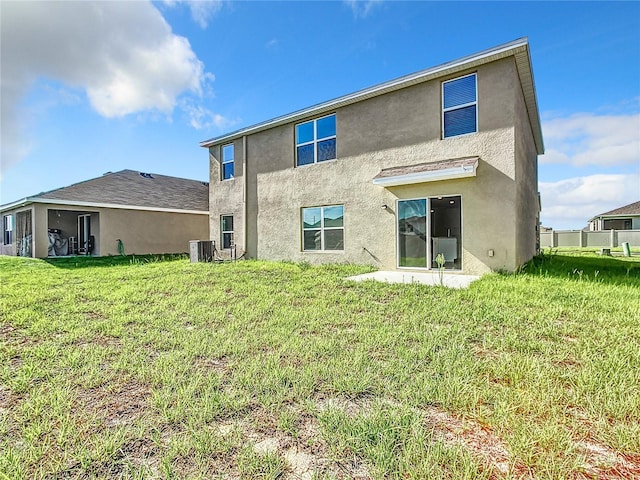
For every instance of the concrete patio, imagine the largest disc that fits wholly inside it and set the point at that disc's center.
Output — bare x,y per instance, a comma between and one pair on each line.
449,280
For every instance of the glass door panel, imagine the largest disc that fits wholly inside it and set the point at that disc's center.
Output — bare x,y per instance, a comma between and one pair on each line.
84,232
446,232
412,233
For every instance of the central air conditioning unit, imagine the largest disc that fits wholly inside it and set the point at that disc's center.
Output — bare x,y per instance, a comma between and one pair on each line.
201,251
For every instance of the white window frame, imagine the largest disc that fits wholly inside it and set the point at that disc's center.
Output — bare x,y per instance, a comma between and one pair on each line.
316,140
226,161
223,232
7,229
323,228
462,105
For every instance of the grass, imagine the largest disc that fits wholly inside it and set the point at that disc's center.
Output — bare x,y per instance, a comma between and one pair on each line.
153,367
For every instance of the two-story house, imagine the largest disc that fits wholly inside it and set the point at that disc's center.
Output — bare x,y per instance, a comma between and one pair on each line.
439,165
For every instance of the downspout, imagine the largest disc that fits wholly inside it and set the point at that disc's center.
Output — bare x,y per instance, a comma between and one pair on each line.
244,194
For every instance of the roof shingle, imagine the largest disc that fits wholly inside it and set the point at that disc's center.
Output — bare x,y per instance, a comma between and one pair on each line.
631,209
132,188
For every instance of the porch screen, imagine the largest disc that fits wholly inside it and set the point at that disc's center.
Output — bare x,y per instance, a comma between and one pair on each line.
24,234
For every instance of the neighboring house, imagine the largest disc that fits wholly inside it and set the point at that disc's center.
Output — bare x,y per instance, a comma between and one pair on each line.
126,211
623,218
442,161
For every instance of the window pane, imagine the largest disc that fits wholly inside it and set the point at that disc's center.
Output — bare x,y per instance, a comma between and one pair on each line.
333,216
305,155
227,153
227,240
304,133
327,150
227,171
412,237
311,217
459,91
311,240
334,239
460,121
227,223
326,126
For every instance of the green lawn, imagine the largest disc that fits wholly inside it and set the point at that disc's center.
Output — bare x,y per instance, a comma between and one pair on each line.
159,368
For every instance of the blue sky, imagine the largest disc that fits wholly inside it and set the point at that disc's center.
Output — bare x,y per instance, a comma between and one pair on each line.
94,87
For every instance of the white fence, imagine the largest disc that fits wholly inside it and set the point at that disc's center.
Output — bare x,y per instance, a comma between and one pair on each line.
580,238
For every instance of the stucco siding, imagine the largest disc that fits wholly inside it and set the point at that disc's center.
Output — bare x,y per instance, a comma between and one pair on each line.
526,163
154,232
225,198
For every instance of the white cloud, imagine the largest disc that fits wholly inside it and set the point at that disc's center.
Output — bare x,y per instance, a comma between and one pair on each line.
570,203
362,8
122,54
201,10
202,118
586,139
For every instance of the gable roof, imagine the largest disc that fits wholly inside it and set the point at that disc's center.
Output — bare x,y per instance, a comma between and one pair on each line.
631,209
519,49
131,190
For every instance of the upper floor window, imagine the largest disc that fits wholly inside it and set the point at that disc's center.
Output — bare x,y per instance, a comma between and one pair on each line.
227,161
323,228
460,106
7,226
316,140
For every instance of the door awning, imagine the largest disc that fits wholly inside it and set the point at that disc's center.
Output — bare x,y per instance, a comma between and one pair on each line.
427,172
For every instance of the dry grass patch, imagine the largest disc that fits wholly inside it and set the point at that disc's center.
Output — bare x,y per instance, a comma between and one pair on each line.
604,463
116,405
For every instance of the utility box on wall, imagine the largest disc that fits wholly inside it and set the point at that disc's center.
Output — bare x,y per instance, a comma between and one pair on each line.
200,251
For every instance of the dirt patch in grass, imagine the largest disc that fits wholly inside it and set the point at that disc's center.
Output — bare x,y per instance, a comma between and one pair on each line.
218,365
305,453
604,463
7,399
142,453
14,337
477,439
93,315
118,404
101,340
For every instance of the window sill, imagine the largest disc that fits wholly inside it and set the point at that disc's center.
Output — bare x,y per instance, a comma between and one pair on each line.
461,135
322,251
316,163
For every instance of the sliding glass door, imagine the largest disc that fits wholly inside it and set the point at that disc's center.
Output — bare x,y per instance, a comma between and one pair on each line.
430,233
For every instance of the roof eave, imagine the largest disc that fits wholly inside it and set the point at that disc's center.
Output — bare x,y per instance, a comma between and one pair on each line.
617,215
17,204
72,203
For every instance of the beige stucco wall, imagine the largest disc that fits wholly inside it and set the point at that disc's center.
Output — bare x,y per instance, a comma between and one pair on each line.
528,205
396,129
141,231
149,232
226,196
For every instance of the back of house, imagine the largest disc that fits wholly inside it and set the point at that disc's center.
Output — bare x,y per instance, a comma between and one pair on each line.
120,212
437,169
